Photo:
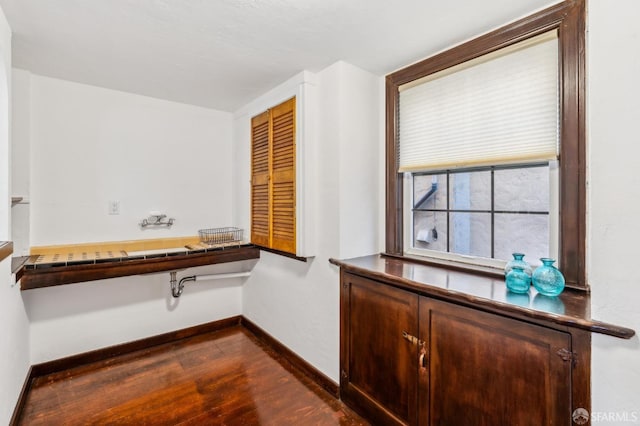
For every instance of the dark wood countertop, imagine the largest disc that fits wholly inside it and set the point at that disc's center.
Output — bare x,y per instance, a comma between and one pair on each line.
6,249
46,275
571,308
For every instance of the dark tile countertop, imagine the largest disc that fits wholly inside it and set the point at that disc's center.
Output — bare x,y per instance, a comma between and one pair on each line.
66,268
46,261
17,263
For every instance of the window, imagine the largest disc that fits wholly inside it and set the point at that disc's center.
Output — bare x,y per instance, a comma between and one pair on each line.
497,109
273,178
457,202
482,213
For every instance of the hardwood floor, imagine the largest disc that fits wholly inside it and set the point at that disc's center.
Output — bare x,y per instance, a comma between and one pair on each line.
222,378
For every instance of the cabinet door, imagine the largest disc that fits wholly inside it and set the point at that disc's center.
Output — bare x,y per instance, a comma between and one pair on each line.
484,369
283,177
260,199
379,368
273,178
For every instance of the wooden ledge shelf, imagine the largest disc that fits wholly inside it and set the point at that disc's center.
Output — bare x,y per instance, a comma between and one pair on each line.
60,274
6,249
570,309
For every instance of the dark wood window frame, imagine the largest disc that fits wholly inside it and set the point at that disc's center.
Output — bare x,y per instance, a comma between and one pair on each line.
568,18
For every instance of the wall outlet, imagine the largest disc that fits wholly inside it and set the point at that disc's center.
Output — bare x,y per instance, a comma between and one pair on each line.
114,207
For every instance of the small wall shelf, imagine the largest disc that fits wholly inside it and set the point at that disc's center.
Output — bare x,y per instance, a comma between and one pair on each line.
6,249
36,275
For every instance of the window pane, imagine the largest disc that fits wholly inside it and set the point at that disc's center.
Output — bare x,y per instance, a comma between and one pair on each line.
430,191
470,234
464,226
430,230
470,191
522,233
525,189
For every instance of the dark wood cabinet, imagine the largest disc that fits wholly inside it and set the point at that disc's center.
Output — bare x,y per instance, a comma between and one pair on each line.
425,344
479,368
407,358
378,364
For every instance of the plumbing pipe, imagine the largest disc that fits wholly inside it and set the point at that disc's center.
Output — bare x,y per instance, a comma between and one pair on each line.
178,287
221,276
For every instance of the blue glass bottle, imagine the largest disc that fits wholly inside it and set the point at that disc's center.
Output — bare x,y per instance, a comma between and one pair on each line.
547,279
518,260
518,280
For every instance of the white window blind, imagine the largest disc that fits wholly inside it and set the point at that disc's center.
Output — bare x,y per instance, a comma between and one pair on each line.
496,109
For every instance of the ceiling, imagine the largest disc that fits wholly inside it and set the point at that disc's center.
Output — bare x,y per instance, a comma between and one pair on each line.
221,54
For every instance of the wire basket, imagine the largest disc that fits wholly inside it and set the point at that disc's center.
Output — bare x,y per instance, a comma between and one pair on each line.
213,236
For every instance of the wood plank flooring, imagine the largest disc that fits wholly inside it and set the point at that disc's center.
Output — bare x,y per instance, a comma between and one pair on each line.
222,378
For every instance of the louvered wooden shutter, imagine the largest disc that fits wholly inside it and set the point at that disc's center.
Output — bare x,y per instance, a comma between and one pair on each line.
260,207
283,119
273,178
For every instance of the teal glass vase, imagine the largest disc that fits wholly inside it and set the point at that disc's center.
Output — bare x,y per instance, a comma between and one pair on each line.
518,260
547,279
518,280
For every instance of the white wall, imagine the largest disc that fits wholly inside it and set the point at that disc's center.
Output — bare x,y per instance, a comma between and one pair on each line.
296,302
358,109
14,343
5,131
87,145
77,318
20,159
614,202
91,145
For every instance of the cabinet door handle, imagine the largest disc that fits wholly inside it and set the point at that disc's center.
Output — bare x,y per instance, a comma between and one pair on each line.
423,360
413,339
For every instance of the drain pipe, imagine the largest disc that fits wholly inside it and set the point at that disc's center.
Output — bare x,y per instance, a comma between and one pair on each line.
178,287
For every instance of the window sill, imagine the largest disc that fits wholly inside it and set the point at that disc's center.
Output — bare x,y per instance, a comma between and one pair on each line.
481,290
488,271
